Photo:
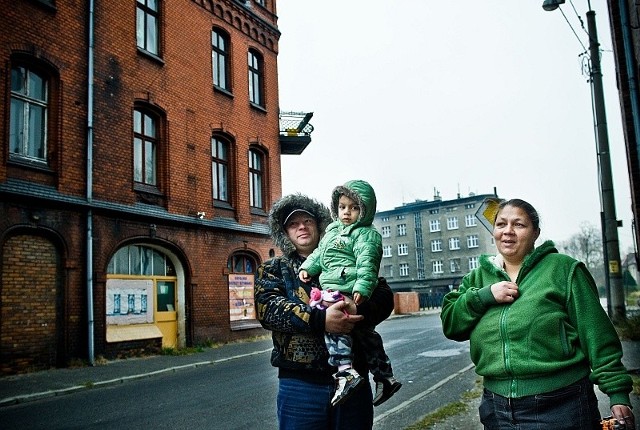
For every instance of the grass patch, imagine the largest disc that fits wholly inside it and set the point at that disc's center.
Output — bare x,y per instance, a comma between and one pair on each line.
629,329
181,351
450,410
636,384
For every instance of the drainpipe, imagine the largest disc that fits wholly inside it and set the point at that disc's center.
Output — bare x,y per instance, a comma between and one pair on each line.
89,262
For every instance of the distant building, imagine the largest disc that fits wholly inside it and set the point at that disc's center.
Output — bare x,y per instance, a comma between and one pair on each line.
141,146
428,246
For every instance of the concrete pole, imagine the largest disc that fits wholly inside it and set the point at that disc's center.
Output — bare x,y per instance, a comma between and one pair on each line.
612,246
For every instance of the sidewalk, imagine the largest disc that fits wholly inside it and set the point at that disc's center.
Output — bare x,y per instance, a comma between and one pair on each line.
631,359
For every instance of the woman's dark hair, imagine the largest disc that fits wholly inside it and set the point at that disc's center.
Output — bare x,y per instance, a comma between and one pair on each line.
525,206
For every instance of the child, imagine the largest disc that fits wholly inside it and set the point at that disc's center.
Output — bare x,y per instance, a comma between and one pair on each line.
348,259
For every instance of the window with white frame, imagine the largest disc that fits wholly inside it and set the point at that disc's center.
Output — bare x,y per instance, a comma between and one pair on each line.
473,263
386,231
436,245
385,219
470,206
388,271
386,251
454,243
148,25
403,249
402,229
404,269
28,116
437,267
434,225
472,241
399,217
470,220
452,223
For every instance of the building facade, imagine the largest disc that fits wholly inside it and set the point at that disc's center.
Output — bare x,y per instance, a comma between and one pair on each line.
428,246
141,151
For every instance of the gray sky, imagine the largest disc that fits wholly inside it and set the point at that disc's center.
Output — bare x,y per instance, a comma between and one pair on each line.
460,96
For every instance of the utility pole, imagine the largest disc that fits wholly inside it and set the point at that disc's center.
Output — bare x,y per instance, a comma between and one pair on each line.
610,223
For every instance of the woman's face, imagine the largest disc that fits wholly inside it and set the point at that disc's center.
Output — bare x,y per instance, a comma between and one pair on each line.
514,233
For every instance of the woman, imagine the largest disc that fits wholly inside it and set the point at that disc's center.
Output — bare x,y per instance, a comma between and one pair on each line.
538,334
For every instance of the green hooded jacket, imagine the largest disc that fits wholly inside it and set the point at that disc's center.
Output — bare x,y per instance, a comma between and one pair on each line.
555,333
348,257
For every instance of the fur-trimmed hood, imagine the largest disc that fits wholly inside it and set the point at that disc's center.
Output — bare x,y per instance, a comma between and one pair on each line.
283,207
360,192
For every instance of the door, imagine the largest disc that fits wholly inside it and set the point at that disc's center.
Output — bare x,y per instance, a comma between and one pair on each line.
166,315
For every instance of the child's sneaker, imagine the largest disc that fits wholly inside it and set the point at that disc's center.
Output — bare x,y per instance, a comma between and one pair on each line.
347,381
385,388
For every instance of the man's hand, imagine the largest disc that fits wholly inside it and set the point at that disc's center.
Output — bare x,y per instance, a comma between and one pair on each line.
338,318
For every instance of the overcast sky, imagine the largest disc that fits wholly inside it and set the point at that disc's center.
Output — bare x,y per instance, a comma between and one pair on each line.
457,96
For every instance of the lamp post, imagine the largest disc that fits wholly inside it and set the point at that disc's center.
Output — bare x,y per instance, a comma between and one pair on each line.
615,293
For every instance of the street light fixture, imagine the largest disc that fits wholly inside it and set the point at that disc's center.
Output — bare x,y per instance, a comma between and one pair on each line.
615,291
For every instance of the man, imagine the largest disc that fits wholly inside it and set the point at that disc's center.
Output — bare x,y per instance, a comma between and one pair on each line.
305,378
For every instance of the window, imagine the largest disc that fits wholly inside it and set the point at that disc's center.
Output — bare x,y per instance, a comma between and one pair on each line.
255,79
147,25
403,249
262,3
386,231
454,243
473,263
220,60
402,229
436,245
470,220
470,206
398,217
388,271
434,225
256,174
145,145
386,251
241,263
385,219
437,267
434,211
472,241
140,260
454,265
404,269
220,169
28,117
452,223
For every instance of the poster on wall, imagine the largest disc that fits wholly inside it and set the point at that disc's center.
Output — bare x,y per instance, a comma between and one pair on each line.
241,297
129,301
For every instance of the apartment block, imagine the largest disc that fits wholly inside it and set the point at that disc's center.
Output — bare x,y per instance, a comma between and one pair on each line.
428,246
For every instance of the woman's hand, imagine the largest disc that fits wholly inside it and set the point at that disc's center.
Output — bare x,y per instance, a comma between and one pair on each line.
623,414
504,291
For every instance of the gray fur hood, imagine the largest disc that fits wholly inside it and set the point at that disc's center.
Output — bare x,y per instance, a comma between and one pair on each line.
284,207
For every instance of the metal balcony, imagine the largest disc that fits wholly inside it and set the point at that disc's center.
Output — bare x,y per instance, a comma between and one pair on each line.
295,132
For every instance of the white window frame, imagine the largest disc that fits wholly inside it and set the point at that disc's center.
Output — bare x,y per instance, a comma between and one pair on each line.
472,241
454,243
452,223
403,249
434,225
436,245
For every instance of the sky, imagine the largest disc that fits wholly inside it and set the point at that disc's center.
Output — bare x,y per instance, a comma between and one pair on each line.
453,96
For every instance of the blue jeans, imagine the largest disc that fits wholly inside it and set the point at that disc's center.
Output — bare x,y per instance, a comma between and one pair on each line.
305,405
568,408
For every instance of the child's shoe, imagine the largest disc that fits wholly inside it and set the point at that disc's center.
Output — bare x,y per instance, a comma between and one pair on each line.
347,381
385,388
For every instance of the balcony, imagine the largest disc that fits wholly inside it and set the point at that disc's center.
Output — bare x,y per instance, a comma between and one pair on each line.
295,132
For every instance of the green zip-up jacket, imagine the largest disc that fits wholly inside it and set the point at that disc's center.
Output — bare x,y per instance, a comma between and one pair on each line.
555,333
348,256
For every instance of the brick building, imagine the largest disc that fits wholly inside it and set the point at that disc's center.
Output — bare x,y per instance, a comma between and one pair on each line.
428,246
140,153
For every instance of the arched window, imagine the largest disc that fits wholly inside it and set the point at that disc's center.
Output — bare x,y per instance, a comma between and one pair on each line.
241,263
256,84
220,59
28,116
140,260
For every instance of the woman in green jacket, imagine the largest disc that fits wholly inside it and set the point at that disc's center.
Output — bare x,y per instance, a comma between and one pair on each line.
538,334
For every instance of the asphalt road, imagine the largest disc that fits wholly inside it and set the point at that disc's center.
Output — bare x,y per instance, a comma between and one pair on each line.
240,393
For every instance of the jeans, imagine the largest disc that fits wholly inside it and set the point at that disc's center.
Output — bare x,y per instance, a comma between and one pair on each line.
568,408
305,405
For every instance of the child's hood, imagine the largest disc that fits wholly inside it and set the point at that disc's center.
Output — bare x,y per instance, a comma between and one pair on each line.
361,192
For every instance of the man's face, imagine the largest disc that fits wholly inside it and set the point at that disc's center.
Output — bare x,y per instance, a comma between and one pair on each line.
302,230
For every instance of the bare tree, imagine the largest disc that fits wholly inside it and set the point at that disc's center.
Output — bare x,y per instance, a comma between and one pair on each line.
586,246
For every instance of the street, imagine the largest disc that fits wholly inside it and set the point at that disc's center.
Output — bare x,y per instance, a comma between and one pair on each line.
240,393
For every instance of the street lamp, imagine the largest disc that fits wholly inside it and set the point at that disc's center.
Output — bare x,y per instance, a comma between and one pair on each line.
615,290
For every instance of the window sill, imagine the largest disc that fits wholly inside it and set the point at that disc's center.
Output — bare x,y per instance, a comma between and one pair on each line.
258,211
258,107
223,91
30,163
154,57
